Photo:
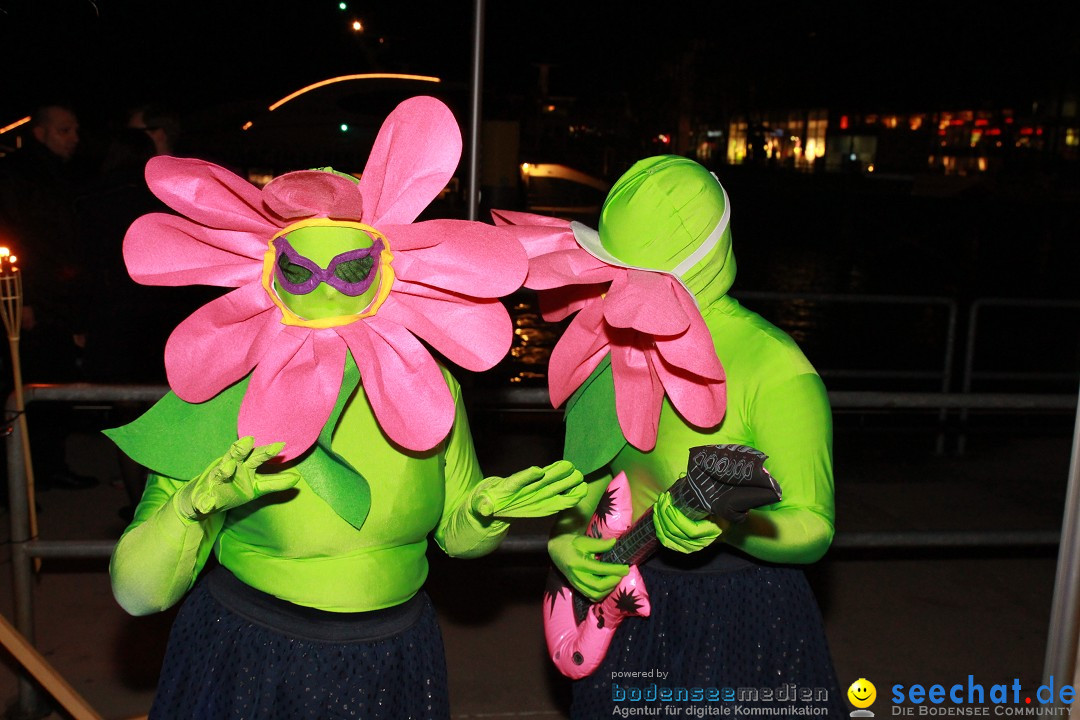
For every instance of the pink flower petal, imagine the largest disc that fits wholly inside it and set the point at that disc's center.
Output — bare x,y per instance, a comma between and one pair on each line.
658,342
568,267
412,160
209,194
515,217
221,342
161,249
560,303
457,255
293,390
702,402
647,302
638,395
580,349
402,381
473,334
313,193
555,258
539,234
693,350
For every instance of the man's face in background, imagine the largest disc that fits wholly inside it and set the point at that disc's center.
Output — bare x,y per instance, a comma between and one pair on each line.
59,132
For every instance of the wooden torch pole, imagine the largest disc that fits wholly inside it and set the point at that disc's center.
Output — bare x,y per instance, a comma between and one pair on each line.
11,306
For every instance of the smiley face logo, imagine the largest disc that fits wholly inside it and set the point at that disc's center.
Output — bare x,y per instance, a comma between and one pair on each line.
862,693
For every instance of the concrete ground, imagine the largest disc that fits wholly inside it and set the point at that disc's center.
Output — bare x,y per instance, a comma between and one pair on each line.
914,616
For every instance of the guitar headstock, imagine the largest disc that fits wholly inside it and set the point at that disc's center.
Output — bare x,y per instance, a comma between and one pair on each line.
729,480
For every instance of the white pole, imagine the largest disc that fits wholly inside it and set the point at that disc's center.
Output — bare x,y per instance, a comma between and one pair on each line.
1061,641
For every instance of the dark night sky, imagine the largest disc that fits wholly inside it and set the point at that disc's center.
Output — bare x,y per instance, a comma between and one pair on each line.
105,53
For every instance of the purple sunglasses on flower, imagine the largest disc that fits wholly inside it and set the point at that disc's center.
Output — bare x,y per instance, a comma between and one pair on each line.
350,273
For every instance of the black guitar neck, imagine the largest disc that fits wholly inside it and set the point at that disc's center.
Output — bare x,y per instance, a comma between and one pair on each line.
639,542
721,481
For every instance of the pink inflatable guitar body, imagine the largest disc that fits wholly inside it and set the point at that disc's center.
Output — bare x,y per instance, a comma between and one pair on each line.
722,481
578,647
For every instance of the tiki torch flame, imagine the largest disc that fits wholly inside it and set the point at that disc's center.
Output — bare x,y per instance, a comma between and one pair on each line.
11,310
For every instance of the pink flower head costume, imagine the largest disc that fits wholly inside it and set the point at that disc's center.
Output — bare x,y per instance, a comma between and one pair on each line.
660,359
314,364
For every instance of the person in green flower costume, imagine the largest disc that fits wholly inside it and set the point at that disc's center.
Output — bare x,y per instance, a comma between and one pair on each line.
659,359
311,443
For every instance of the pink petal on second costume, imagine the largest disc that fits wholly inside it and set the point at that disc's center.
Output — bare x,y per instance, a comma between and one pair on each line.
209,194
580,349
465,257
475,334
516,217
639,395
645,301
538,234
558,304
568,267
293,390
692,350
413,158
313,193
161,249
220,343
403,383
701,402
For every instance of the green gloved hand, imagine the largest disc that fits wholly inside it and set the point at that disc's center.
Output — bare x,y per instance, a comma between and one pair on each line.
575,556
231,481
676,531
533,492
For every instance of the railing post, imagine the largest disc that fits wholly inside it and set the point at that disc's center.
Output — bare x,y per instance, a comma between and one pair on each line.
23,546
22,570
947,371
969,362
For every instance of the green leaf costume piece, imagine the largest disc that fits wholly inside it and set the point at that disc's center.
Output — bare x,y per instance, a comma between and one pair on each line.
211,427
593,434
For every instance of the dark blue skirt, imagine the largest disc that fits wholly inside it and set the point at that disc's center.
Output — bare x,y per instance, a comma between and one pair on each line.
752,637
237,653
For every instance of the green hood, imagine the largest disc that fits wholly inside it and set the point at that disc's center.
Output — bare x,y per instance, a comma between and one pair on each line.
660,212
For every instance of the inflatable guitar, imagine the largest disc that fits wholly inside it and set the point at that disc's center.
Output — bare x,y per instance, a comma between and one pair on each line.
721,481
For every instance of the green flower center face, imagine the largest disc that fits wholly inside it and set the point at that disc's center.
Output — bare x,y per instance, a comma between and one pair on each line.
322,245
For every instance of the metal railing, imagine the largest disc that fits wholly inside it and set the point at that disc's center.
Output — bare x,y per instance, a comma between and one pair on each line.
535,400
942,376
977,313
26,548
970,375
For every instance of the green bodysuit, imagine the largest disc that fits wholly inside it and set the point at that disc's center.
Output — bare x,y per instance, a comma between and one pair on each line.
293,544
726,605
776,403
